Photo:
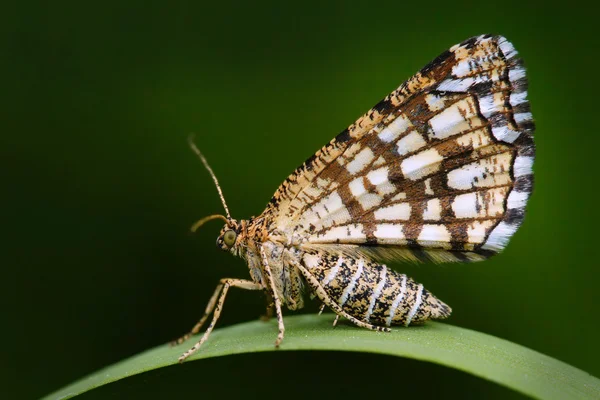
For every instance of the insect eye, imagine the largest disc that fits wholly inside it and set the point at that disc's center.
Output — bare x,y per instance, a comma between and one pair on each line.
229,238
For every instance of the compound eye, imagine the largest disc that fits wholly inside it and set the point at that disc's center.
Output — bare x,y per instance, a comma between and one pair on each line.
229,238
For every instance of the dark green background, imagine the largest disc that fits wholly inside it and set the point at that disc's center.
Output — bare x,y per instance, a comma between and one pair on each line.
100,186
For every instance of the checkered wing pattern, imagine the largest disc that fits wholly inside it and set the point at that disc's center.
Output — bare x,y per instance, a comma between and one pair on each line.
439,170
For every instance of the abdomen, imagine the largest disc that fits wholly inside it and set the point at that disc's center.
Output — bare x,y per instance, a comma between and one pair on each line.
372,292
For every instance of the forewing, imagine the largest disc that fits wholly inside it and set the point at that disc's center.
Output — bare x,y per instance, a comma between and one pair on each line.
439,170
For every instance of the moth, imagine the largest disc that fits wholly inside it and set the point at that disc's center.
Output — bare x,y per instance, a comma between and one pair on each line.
440,170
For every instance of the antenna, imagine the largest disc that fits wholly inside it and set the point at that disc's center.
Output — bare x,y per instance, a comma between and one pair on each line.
204,220
210,171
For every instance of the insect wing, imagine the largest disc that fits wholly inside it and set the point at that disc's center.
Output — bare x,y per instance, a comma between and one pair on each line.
439,170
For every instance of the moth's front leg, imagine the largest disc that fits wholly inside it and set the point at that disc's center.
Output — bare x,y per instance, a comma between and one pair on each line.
270,283
209,309
223,287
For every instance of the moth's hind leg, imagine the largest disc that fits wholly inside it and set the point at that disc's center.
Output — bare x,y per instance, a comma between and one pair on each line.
270,309
322,308
324,297
337,316
217,306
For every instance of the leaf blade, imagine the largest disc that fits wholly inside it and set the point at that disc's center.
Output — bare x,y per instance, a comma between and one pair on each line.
479,354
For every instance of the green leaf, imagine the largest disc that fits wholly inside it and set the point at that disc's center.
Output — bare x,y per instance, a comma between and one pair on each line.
482,355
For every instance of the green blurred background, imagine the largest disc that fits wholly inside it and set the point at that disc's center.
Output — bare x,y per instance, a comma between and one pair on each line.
100,186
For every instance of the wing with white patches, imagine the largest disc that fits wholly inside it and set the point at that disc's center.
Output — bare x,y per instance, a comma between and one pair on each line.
441,169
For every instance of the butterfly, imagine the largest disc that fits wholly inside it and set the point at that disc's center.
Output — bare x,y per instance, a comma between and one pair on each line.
440,170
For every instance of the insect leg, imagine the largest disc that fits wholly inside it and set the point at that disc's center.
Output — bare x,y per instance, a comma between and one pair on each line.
322,308
209,308
316,286
336,320
270,309
225,285
274,295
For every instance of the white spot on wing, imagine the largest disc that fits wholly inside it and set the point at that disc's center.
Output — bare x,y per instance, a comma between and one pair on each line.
347,234
499,237
385,188
421,164
487,105
434,233
333,202
369,200
399,196
516,200
454,120
400,211
465,205
477,230
360,161
326,206
507,48
434,102
478,138
389,234
378,176
523,166
522,117
340,217
518,98
516,73
428,189
411,142
456,85
448,123
433,210
394,129
491,171
462,68
357,187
